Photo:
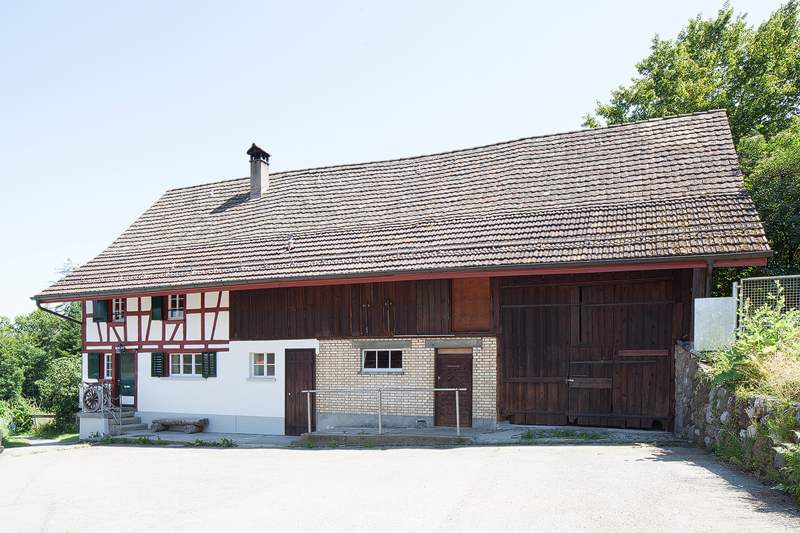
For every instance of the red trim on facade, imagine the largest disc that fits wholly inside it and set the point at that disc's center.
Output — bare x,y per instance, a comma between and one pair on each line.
757,261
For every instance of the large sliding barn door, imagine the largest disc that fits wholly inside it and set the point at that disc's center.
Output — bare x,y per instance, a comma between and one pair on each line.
593,354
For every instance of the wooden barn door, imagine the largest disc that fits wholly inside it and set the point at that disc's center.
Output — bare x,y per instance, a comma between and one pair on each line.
536,337
453,370
620,370
300,375
587,351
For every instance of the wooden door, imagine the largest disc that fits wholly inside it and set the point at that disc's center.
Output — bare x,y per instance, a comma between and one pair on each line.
620,370
126,378
300,375
537,326
453,370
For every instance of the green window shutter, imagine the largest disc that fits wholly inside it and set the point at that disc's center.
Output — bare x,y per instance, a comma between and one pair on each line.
157,365
100,311
209,364
157,308
93,366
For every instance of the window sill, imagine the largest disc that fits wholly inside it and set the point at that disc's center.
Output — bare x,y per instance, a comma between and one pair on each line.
391,372
184,378
270,378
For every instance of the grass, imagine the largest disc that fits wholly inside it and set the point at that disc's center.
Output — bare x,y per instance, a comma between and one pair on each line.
530,436
15,442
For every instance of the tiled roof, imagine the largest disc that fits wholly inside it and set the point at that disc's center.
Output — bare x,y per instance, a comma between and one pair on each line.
657,189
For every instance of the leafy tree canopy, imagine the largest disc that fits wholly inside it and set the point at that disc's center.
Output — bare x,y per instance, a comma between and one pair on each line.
719,63
772,174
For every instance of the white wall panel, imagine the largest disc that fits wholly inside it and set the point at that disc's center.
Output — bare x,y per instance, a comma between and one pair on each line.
221,333
132,304
91,332
88,305
146,303
223,299
168,329
193,330
155,330
212,299
133,331
193,300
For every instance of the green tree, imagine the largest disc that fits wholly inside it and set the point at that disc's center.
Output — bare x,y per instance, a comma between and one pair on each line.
772,174
719,63
59,388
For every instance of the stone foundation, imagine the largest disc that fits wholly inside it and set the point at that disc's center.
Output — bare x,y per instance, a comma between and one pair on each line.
745,430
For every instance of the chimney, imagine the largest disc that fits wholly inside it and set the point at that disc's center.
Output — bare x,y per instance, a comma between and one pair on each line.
259,171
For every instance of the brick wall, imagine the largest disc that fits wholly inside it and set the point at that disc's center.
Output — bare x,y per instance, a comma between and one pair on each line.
339,366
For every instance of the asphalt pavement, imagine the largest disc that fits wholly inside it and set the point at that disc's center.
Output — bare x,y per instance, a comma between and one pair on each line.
463,488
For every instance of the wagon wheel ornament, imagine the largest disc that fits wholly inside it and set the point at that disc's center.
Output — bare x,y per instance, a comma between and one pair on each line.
91,400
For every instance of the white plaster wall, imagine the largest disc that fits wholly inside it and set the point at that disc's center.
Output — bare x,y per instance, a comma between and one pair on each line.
233,402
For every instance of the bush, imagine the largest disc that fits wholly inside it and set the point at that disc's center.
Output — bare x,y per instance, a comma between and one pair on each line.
59,389
765,360
16,416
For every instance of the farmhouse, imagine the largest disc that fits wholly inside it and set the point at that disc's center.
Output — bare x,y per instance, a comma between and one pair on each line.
549,276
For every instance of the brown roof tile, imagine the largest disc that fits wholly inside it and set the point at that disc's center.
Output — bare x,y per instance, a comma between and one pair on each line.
661,188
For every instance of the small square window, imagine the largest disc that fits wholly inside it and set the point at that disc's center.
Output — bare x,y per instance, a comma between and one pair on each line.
262,365
382,361
118,310
176,306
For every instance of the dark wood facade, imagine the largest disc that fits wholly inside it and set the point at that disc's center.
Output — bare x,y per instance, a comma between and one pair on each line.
336,311
591,349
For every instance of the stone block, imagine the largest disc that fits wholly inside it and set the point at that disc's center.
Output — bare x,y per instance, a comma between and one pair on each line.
724,417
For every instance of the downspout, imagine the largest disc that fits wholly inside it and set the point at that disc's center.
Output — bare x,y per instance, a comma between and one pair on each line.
709,272
59,315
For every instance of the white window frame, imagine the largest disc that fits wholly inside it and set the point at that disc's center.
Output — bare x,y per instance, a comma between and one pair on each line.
108,369
196,365
267,369
176,306
118,310
377,369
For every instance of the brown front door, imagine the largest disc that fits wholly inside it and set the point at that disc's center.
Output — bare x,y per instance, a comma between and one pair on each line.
453,370
300,375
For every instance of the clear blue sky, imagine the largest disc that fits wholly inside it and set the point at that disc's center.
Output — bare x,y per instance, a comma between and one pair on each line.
105,105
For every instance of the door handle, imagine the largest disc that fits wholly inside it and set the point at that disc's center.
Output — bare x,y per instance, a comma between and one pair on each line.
567,380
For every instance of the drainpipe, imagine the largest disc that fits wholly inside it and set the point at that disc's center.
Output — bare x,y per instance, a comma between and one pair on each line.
59,315
709,272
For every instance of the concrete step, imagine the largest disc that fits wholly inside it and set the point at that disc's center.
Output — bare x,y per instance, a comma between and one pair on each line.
127,420
126,429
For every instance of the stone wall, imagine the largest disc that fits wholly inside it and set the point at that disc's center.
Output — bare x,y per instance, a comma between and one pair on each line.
745,430
339,366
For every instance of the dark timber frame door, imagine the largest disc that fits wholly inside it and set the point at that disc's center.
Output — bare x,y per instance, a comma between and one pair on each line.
453,370
126,377
300,375
590,351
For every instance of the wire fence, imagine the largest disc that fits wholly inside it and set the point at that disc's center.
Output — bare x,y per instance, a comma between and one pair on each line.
758,291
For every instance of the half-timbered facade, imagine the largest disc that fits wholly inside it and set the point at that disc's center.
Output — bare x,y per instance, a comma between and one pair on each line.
551,277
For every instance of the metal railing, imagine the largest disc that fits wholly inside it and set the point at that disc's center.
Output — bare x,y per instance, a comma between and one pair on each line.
380,391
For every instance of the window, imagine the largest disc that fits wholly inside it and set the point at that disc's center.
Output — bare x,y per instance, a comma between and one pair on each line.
176,306
382,361
186,364
118,309
189,364
108,368
263,365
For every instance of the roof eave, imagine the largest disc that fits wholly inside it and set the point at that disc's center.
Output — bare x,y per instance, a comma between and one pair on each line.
699,261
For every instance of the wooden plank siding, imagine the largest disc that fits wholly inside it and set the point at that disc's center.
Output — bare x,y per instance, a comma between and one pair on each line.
336,311
591,349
